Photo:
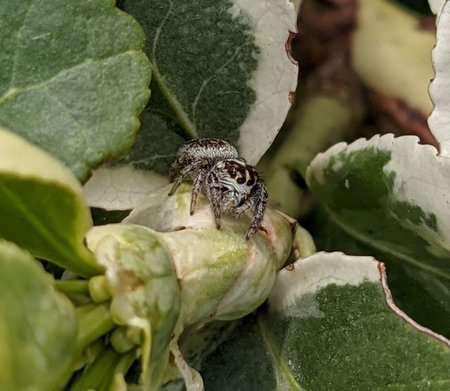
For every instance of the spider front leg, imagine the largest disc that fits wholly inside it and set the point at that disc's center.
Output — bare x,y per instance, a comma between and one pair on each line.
174,168
196,188
259,197
179,179
215,196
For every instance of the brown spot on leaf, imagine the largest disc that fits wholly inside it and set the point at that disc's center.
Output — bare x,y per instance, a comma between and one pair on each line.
290,267
128,280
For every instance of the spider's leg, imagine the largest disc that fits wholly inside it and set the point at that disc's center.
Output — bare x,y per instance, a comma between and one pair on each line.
215,201
173,170
176,184
197,186
214,195
260,200
183,173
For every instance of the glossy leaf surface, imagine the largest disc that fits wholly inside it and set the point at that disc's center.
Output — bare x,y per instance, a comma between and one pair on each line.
220,69
38,328
330,325
42,206
391,194
73,78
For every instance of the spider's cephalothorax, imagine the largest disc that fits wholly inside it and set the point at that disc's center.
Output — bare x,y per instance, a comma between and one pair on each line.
230,184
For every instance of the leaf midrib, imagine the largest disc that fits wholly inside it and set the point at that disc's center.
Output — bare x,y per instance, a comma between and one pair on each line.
385,249
13,72
173,102
413,383
13,91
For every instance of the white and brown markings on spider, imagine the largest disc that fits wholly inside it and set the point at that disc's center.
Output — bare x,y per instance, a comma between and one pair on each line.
229,183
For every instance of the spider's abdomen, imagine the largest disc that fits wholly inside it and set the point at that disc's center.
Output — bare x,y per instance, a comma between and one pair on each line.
210,149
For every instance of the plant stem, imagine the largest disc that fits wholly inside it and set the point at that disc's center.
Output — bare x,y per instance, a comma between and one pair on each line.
76,291
84,309
93,323
100,374
69,287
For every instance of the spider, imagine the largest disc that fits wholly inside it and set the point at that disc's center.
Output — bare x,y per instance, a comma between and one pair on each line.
229,183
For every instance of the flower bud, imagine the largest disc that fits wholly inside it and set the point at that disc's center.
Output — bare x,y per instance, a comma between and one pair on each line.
222,275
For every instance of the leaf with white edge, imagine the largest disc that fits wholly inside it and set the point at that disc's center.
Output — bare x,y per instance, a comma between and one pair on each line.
439,119
331,324
297,4
38,326
232,83
73,78
220,69
391,194
436,6
405,281
121,187
42,207
386,34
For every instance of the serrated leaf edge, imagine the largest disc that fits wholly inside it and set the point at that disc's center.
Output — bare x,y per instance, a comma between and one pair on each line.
439,118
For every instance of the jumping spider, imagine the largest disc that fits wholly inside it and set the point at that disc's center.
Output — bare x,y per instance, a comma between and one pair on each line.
229,183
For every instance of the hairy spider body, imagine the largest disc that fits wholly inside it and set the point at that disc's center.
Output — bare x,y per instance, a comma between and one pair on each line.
229,183
201,152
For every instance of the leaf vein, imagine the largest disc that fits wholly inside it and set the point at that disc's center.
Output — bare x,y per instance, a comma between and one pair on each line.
12,92
364,239
158,31
81,129
178,109
209,79
16,54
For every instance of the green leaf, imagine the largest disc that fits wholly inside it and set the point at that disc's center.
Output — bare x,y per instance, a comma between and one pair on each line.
405,280
73,78
330,325
391,195
38,327
220,69
42,206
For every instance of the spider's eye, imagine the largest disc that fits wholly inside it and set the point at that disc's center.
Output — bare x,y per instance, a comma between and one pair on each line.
231,170
251,182
240,180
251,176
